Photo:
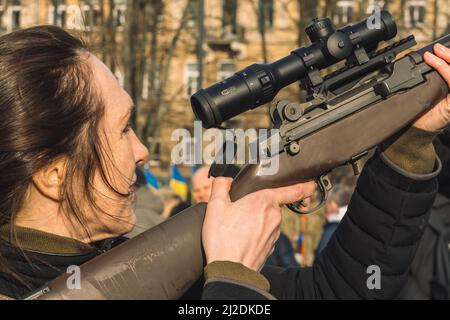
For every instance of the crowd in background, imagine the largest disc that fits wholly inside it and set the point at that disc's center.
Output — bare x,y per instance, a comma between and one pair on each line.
302,236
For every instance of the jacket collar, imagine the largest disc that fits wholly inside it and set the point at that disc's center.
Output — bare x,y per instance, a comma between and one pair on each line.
43,242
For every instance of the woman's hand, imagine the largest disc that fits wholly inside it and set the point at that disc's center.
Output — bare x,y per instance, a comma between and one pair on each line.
439,116
245,231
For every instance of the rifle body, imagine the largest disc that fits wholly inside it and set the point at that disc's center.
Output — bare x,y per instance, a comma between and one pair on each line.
163,262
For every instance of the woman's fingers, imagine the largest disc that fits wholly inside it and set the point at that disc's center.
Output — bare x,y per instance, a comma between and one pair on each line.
290,194
442,52
439,64
221,188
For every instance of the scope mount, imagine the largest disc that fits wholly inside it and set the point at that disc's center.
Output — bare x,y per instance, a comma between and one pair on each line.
315,84
295,120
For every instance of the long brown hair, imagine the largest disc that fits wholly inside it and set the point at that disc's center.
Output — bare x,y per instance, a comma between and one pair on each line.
49,108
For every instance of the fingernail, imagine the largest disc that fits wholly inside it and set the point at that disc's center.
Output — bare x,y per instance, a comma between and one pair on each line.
428,54
440,47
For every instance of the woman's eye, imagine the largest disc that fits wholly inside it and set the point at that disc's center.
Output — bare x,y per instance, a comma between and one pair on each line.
127,128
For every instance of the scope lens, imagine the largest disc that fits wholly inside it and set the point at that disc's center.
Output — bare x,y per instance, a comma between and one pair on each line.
203,110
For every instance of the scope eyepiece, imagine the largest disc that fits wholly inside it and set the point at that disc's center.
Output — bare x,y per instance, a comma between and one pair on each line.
259,83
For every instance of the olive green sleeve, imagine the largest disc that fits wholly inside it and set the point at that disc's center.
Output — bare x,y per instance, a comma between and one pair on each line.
412,151
237,272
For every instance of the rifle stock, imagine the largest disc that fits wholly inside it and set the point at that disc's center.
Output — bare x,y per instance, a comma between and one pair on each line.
163,262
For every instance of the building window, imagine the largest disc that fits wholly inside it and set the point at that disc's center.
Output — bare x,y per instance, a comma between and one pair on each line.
74,18
92,15
266,13
415,13
120,77
375,5
226,70
192,13
229,13
1,18
58,15
156,82
191,78
15,15
119,13
157,9
344,12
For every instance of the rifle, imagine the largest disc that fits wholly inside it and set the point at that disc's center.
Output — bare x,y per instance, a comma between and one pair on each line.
370,99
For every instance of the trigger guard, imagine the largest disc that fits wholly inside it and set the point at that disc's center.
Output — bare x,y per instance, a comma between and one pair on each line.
324,184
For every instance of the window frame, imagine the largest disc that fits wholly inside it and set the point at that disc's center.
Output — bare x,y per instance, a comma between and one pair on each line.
417,5
187,77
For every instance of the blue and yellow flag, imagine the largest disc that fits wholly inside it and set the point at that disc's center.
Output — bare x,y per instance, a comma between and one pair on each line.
151,179
178,183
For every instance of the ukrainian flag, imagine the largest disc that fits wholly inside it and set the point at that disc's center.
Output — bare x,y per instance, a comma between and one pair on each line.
151,179
178,183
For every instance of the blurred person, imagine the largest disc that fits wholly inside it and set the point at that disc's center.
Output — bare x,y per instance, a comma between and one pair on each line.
201,185
170,201
310,231
303,231
148,206
335,209
173,204
179,207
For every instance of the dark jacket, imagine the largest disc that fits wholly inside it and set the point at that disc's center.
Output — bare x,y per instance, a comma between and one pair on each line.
283,254
383,225
328,230
420,284
55,255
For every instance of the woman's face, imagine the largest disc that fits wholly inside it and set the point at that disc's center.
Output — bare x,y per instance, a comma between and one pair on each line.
123,151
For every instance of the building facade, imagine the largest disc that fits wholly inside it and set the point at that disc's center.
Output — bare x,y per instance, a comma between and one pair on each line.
237,33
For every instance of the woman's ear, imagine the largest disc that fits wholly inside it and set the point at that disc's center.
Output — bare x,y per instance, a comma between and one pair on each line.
49,180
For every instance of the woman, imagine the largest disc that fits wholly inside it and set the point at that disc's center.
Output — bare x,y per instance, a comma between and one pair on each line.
67,161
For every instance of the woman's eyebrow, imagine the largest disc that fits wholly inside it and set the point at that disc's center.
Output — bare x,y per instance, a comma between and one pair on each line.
131,110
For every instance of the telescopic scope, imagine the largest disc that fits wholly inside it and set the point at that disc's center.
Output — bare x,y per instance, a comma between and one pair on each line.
260,83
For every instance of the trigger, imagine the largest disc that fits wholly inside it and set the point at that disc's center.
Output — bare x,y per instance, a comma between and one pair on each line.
324,185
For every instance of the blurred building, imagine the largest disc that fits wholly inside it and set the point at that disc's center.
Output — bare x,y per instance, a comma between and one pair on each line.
237,33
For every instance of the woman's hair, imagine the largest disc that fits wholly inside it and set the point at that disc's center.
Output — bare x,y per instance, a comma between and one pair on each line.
50,109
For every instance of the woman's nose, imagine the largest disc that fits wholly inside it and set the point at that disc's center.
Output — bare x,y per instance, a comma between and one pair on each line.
140,151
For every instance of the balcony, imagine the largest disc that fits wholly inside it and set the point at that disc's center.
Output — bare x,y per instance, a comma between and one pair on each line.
225,36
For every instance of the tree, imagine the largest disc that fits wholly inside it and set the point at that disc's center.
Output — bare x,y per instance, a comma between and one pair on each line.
260,14
161,55
132,52
307,12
